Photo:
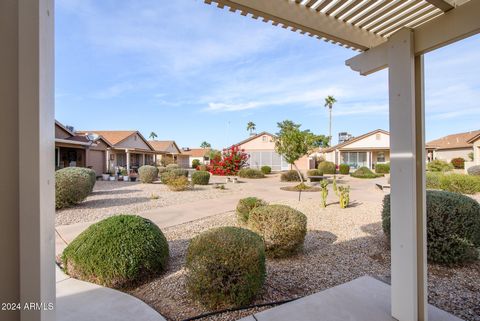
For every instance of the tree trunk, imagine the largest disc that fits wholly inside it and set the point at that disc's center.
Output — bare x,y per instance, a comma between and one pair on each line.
330,129
298,172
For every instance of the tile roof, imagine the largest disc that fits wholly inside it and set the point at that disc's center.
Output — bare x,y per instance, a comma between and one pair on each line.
163,145
196,152
453,141
113,136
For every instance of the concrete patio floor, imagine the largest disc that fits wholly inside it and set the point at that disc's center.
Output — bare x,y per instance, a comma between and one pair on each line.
363,299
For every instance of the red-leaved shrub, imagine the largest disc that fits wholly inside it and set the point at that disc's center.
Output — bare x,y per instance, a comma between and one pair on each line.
230,162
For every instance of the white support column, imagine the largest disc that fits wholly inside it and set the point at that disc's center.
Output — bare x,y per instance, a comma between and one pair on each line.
107,160
143,159
407,179
127,153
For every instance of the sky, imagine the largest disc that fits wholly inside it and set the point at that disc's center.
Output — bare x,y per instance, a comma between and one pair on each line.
191,72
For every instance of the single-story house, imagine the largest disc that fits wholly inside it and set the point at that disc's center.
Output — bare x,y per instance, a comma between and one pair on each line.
200,154
129,148
453,146
475,141
261,149
366,150
169,153
74,150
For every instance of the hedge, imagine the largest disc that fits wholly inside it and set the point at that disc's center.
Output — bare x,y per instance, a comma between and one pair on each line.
200,178
250,173
72,186
327,167
344,169
225,267
117,252
266,170
148,174
439,166
453,226
382,168
365,172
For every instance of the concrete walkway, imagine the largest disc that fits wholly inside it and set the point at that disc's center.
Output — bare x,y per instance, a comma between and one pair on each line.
81,301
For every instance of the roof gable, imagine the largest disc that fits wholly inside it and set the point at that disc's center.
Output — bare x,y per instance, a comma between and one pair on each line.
351,142
165,146
255,137
122,138
460,140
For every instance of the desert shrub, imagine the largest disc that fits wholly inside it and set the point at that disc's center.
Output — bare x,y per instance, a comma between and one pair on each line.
282,228
117,252
382,168
458,163
290,176
453,226
93,177
172,166
327,167
474,170
225,267
172,174
365,172
147,174
161,170
460,183
439,166
314,172
250,173
178,183
245,206
266,170
344,169
202,168
433,180
200,177
72,186
195,163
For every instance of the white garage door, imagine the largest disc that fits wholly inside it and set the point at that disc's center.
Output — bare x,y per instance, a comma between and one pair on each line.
267,158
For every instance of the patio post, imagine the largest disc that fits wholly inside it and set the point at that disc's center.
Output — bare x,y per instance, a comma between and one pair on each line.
127,153
408,209
107,159
143,159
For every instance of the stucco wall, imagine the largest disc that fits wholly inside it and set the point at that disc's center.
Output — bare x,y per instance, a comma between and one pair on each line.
375,141
448,154
258,143
476,152
61,133
134,141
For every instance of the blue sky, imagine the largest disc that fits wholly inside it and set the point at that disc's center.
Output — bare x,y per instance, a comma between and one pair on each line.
192,72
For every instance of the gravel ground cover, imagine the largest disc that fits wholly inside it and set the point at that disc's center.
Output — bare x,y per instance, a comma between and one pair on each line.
340,246
111,198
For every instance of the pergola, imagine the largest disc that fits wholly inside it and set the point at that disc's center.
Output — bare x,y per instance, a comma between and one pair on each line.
391,34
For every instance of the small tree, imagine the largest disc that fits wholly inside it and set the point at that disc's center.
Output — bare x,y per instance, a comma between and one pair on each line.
251,127
293,143
152,136
205,145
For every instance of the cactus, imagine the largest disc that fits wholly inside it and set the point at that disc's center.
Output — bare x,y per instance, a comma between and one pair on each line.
324,186
334,185
344,195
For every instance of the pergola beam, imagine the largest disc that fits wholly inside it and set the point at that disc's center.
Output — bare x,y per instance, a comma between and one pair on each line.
441,4
291,14
457,24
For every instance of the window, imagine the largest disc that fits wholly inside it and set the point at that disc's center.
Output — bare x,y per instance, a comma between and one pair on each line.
264,139
381,157
354,159
378,136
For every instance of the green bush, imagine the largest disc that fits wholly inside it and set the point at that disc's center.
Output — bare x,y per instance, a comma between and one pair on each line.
315,172
202,168
93,177
474,170
161,170
460,183
282,228
327,167
147,174
172,174
266,170
178,183
200,177
250,173
453,226
245,206
172,166
365,172
344,169
195,163
433,180
117,252
290,176
225,267
382,168
72,186
458,163
439,166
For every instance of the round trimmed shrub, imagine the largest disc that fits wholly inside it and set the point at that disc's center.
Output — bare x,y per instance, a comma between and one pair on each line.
72,186
282,228
344,169
147,174
250,173
172,174
458,163
453,226
195,163
439,166
290,176
117,252
315,172
93,177
161,170
327,167
178,184
172,166
474,170
266,170
382,168
225,267
200,177
245,206
365,172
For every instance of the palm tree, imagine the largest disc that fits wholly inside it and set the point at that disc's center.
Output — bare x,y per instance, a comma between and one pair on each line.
205,145
152,136
329,101
251,127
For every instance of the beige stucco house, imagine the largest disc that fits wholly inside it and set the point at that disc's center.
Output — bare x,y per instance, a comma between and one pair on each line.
168,153
75,150
366,150
261,149
475,141
200,154
454,146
